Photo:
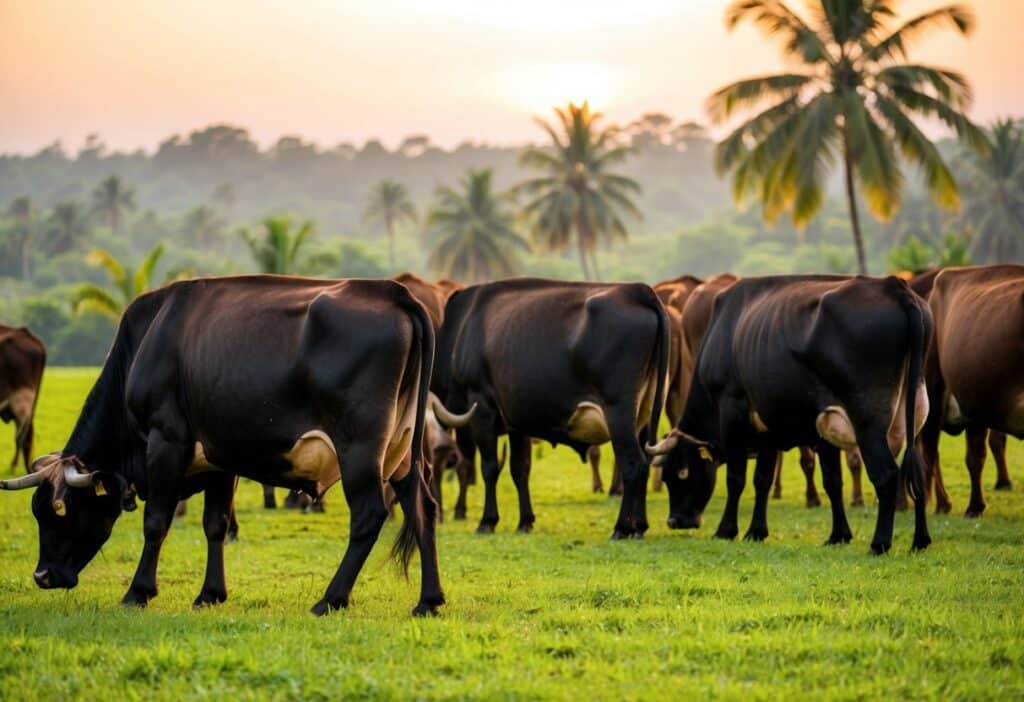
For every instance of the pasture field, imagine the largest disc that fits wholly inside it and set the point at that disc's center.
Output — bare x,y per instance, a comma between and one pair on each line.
563,613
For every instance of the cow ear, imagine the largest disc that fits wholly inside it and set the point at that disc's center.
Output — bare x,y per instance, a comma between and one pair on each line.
109,483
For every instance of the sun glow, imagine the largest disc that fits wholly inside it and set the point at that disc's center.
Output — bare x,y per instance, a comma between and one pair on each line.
539,87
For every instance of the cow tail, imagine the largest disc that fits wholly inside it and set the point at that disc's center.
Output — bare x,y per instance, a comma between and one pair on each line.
414,525
912,467
662,347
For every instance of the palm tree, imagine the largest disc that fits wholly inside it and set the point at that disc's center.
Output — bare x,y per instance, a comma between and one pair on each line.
577,196
111,199
69,224
202,225
994,192
854,101
126,284
389,204
471,231
276,249
23,213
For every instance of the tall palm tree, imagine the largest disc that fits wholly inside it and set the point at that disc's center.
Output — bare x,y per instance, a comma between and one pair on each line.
472,232
126,283
23,213
389,205
854,101
577,197
994,190
69,224
202,225
276,248
111,199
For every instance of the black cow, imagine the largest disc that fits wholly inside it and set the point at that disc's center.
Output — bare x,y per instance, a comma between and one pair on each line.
824,361
22,360
287,381
572,363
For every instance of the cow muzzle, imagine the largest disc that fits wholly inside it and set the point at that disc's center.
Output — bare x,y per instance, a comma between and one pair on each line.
685,521
50,579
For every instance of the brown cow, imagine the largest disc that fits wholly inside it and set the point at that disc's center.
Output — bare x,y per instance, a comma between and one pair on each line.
696,316
22,359
974,372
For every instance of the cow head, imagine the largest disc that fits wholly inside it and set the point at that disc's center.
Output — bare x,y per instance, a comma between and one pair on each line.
76,510
688,469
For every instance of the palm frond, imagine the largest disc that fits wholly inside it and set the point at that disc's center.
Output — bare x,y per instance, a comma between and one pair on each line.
751,92
895,44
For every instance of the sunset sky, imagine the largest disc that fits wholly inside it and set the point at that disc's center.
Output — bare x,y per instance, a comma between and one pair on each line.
136,71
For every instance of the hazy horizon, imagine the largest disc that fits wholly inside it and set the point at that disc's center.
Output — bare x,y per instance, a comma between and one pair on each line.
137,72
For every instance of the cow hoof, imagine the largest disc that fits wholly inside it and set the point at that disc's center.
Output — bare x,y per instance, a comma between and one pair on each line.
525,528
857,502
459,516
615,492
974,512
208,598
324,607
836,539
622,534
944,507
920,544
878,548
425,609
1007,486
485,528
813,501
726,533
134,598
758,534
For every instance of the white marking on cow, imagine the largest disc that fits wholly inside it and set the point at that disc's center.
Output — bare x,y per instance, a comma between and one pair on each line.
835,427
588,424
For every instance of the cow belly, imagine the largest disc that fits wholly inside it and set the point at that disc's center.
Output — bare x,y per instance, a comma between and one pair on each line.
588,424
314,458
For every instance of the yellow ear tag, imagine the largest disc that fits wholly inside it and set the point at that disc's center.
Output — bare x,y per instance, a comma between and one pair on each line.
704,453
59,508
100,490
684,473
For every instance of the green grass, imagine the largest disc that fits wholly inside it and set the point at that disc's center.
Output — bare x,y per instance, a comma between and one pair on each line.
563,613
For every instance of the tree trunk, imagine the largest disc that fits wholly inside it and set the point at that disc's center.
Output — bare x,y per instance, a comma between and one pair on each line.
583,258
391,244
593,266
851,196
26,256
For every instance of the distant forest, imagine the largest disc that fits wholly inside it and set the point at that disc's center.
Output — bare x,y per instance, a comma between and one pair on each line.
191,201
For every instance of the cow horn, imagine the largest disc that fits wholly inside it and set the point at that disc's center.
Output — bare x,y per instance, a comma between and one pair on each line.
22,483
664,446
72,478
449,419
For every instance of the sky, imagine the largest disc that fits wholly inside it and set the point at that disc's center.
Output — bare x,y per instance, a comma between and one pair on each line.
137,71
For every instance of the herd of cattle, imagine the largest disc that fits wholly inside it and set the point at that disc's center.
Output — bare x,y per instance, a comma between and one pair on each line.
382,384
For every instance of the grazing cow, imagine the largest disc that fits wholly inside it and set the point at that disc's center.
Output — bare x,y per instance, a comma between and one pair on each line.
974,370
291,382
572,363
22,359
824,361
696,317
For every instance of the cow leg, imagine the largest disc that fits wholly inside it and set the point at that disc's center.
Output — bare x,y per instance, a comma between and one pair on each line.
519,467
616,485
490,469
364,492
997,442
832,481
764,472
165,464
855,464
464,469
415,500
777,478
233,522
735,481
28,434
635,470
269,497
807,466
975,462
217,511
884,475
436,472
594,457
929,444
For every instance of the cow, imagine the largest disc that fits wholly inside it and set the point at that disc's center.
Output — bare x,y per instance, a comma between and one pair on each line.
696,317
825,361
566,362
974,371
291,382
673,294
22,360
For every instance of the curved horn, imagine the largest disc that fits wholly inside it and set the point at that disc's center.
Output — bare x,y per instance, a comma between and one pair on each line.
664,446
22,483
453,421
72,478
